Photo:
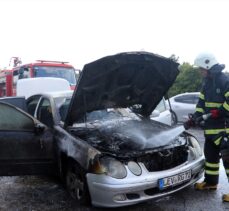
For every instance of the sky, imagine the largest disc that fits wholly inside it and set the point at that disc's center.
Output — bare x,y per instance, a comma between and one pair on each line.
81,31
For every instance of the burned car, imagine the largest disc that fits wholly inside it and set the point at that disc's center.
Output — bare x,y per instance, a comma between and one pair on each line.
100,139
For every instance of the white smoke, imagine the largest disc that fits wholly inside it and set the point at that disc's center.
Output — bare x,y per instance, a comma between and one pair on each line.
155,139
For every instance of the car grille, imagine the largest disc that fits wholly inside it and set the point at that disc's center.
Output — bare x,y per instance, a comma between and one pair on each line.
165,159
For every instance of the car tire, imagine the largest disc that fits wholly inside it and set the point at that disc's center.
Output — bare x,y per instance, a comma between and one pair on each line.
76,183
173,118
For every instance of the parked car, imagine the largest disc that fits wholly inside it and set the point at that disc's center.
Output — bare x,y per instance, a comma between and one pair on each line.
100,139
162,113
184,104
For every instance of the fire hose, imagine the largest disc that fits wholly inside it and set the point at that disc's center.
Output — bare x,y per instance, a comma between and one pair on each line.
199,121
203,118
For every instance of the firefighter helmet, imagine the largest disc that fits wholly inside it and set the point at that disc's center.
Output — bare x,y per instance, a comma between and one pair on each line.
205,60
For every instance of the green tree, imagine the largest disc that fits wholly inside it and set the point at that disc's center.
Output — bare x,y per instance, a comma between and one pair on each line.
188,80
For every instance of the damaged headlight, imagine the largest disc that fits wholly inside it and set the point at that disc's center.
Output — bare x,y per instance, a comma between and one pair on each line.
194,147
113,168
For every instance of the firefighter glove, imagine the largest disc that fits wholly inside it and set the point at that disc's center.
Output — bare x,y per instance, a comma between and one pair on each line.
215,113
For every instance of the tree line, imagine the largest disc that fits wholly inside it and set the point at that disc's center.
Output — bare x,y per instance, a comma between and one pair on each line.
188,80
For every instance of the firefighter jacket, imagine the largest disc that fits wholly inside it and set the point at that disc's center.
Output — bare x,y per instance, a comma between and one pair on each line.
215,95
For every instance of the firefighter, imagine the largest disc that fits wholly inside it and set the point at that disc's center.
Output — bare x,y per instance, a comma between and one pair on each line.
213,99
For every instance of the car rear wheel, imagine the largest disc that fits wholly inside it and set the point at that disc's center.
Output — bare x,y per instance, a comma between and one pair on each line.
76,184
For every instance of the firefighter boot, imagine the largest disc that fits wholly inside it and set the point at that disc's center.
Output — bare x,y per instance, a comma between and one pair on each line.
225,197
205,186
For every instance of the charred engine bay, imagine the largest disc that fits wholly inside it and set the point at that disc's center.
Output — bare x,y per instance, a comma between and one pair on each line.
130,138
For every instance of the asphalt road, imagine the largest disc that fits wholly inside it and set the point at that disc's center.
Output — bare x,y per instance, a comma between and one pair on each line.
42,194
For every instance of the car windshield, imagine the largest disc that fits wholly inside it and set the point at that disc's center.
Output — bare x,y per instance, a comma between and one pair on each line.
109,114
62,105
67,73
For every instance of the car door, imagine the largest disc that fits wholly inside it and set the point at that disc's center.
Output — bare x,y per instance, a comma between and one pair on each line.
183,106
26,145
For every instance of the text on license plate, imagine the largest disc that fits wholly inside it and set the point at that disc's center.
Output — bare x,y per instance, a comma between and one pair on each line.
174,180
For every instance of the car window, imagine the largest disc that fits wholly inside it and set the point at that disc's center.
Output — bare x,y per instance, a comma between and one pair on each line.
44,113
105,114
13,119
16,101
63,107
196,99
185,99
110,114
32,104
161,106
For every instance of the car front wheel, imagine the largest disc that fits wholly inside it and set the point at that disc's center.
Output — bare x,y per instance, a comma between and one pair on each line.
76,184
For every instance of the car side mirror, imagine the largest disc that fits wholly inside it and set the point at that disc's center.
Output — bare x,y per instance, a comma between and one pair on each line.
39,128
155,113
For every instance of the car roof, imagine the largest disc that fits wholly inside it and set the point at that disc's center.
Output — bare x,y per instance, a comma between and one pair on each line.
186,93
67,93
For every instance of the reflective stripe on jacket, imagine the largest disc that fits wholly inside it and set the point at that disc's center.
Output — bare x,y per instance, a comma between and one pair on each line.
214,95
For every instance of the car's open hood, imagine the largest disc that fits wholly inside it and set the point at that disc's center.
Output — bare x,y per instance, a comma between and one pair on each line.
122,80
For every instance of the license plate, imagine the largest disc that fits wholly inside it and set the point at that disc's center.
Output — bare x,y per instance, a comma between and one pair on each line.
174,180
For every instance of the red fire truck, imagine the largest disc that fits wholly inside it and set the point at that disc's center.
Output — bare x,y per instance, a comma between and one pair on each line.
41,68
6,80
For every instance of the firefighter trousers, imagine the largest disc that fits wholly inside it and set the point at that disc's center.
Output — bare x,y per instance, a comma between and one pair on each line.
212,161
